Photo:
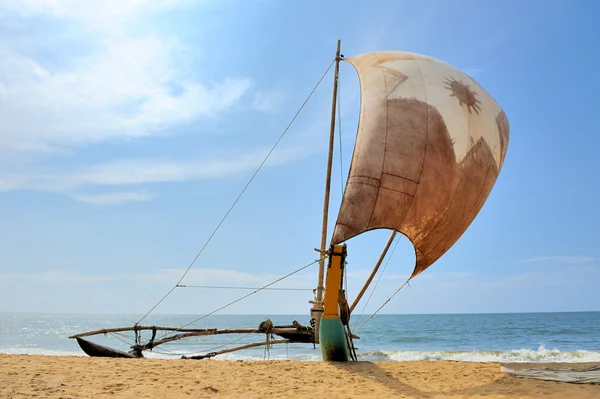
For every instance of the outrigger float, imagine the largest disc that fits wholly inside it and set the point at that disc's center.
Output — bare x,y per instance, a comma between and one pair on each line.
429,147
292,333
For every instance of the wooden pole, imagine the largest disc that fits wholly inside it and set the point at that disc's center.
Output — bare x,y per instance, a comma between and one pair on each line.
237,348
208,331
138,328
275,331
319,300
379,261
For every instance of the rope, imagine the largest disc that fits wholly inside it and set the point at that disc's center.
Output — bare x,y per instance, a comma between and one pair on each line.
137,334
252,293
381,307
125,340
267,327
166,352
344,308
376,283
121,334
350,343
173,353
230,342
346,280
190,343
132,342
242,288
151,342
240,195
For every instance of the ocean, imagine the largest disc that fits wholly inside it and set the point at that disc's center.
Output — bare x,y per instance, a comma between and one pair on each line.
521,337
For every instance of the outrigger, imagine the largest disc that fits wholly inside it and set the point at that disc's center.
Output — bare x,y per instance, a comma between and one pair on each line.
429,147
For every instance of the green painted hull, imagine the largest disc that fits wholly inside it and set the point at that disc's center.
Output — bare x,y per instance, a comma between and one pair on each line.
332,337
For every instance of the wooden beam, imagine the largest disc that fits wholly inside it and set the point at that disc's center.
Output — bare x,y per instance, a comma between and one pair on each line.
237,348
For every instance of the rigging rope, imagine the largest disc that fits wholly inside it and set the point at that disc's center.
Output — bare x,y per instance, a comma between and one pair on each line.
242,288
230,342
376,283
346,281
122,337
252,293
126,339
381,307
241,193
267,327
166,352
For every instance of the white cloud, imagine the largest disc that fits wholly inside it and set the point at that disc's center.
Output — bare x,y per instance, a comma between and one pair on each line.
140,171
71,291
131,173
10,183
199,276
89,10
114,198
124,87
559,259
59,276
268,101
520,292
124,90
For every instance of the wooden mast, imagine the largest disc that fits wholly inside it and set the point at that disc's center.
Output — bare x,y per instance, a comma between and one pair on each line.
323,247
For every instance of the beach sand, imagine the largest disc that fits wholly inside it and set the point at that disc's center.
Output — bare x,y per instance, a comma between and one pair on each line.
29,376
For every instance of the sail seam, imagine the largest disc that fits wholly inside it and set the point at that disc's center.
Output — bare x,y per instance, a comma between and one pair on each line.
401,177
366,182
354,233
397,191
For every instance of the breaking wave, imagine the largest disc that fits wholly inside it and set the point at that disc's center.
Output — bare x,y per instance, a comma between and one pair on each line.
39,351
541,355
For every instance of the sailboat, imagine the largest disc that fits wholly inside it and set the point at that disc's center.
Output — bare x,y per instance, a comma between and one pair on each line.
429,147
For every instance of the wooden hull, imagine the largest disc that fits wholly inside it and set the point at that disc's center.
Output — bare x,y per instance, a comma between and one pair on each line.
334,345
96,350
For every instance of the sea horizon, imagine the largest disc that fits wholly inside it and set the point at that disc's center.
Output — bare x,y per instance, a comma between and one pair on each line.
294,314
538,337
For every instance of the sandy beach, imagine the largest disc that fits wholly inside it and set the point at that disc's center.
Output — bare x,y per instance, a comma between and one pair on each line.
28,376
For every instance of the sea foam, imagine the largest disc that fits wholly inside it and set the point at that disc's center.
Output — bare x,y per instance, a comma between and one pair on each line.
541,355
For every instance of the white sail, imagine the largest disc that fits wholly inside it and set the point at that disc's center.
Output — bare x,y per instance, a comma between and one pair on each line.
429,147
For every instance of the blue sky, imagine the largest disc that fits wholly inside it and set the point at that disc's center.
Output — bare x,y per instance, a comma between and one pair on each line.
127,129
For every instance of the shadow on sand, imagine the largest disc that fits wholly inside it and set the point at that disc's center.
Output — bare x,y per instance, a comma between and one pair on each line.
452,379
